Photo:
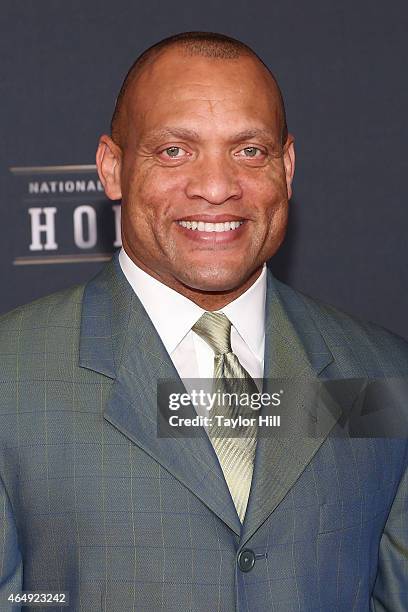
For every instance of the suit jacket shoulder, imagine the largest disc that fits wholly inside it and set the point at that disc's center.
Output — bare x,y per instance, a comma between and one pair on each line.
42,311
364,345
41,336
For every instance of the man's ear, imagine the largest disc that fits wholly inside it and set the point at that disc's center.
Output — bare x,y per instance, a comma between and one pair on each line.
289,162
108,161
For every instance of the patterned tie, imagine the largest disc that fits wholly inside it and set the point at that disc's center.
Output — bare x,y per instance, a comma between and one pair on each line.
236,455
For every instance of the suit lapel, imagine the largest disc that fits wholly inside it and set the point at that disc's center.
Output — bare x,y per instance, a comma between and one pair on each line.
119,341
294,349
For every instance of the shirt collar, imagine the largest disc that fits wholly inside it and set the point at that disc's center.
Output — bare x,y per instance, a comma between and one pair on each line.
247,315
173,315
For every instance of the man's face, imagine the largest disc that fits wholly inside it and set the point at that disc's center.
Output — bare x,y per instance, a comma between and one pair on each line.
204,178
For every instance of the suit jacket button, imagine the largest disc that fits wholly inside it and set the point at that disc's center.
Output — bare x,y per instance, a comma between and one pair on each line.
246,560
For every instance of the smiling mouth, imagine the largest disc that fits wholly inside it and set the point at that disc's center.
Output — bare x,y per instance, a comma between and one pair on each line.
204,226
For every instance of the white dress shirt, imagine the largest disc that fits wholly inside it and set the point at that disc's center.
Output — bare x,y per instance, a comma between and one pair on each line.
173,316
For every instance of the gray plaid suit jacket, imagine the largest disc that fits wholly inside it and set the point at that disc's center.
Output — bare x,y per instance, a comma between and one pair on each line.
94,503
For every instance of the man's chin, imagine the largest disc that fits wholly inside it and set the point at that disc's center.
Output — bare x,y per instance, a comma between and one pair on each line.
214,280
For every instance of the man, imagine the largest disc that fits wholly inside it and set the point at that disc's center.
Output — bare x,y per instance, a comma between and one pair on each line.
94,502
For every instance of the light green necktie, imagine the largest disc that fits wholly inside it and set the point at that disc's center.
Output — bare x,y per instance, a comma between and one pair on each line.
236,455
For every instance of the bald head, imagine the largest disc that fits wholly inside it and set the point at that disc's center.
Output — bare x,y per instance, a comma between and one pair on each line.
205,44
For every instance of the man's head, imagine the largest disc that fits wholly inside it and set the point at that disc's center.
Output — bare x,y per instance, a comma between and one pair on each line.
201,157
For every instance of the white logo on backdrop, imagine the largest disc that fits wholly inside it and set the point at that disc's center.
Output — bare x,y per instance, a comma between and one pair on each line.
48,196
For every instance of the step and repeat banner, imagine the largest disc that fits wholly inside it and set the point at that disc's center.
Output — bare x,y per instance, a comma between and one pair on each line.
341,69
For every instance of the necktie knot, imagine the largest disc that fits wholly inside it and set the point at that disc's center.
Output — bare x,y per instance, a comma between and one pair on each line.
215,329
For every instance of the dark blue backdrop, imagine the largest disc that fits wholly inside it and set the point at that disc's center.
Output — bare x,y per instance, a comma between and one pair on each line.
340,66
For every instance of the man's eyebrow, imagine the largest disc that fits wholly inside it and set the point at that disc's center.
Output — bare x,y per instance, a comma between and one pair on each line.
157,136
254,133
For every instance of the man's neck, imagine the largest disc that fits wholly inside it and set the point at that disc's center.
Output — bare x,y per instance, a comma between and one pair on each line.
207,300
216,300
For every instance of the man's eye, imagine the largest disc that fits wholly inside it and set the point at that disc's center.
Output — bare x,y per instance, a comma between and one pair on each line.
251,151
173,151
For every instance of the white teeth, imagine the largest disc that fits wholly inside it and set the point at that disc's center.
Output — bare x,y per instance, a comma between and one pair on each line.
202,226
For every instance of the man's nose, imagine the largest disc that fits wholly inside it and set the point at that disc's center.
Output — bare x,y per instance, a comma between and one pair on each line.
214,180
